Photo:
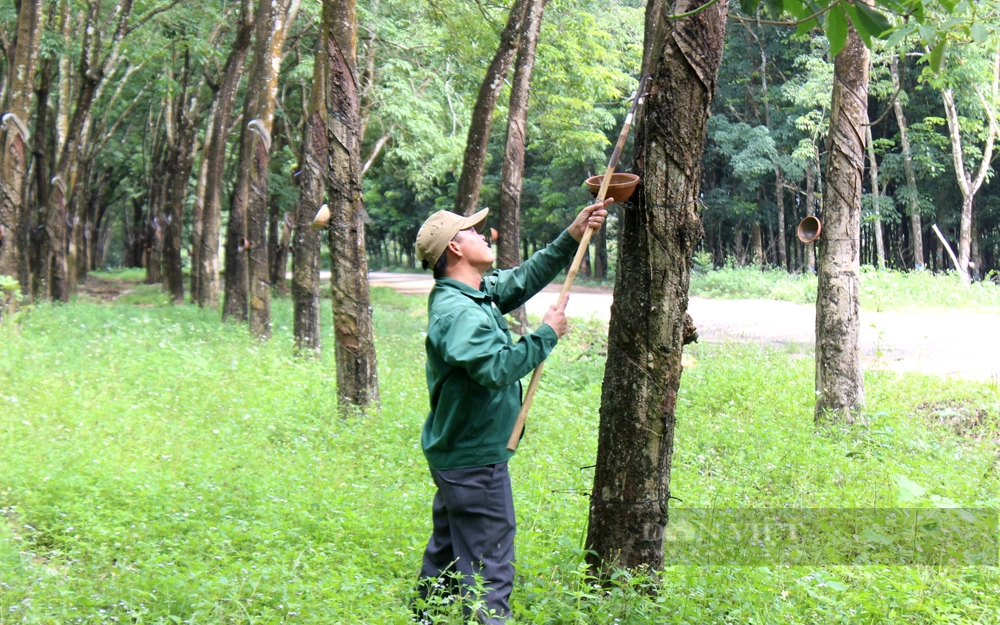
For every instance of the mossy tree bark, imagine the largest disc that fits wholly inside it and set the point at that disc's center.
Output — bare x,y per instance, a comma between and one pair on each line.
306,250
248,274
357,376
649,321
840,390
14,141
41,152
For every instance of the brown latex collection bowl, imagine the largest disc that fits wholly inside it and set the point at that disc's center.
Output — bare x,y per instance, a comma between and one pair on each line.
809,229
620,188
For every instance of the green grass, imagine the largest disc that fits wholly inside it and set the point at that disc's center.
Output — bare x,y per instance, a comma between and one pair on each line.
881,291
159,466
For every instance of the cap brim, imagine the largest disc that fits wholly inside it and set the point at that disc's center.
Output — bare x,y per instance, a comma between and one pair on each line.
476,221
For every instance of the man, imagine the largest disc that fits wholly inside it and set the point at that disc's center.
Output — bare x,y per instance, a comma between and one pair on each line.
474,370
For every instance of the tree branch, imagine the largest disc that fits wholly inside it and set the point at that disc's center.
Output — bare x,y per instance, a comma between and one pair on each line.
149,16
375,151
992,132
757,20
489,20
114,127
680,16
888,107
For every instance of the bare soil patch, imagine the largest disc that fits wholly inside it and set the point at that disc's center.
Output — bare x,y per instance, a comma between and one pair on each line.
105,289
970,421
952,343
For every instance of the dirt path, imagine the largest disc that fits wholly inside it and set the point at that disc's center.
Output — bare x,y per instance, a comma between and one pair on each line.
957,343
105,289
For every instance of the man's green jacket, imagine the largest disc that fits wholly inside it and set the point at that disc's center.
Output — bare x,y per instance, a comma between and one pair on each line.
474,368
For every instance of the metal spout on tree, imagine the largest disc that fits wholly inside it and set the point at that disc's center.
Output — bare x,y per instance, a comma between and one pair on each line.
581,250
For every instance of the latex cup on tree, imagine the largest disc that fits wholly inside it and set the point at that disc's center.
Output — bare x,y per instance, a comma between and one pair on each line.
809,229
322,218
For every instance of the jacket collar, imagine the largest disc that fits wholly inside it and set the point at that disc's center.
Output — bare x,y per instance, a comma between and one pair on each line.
465,289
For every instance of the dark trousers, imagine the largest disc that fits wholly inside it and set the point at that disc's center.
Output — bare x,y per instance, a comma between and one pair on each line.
473,535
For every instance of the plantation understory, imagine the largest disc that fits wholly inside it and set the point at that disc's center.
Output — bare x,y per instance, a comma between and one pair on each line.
158,466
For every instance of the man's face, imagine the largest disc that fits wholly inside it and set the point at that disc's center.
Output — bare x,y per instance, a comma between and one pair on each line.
475,249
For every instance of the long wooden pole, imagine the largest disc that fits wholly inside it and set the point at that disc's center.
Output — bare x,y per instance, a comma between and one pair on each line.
581,250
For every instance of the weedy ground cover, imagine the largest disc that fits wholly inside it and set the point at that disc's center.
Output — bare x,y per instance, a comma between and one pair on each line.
881,291
158,466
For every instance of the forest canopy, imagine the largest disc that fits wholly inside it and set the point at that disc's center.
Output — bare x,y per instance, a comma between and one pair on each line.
109,108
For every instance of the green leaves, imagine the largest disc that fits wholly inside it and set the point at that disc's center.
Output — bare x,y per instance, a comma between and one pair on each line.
868,22
836,30
909,491
871,20
776,8
899,34
938,54
979,33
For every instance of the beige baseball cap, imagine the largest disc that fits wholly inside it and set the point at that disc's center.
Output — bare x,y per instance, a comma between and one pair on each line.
441,227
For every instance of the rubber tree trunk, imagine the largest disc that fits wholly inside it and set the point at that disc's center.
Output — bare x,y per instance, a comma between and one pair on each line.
877,223
198,216
248,279
512,171
916,229
474,162
48,275
779,198
649,322
966,183
97,210
41,149
357,376
90,74
280,265
278,237
306,250
76,269
14,141
601,254
840,390
133,233
977,257
155,218
208,276
811,210
757,246
179,163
